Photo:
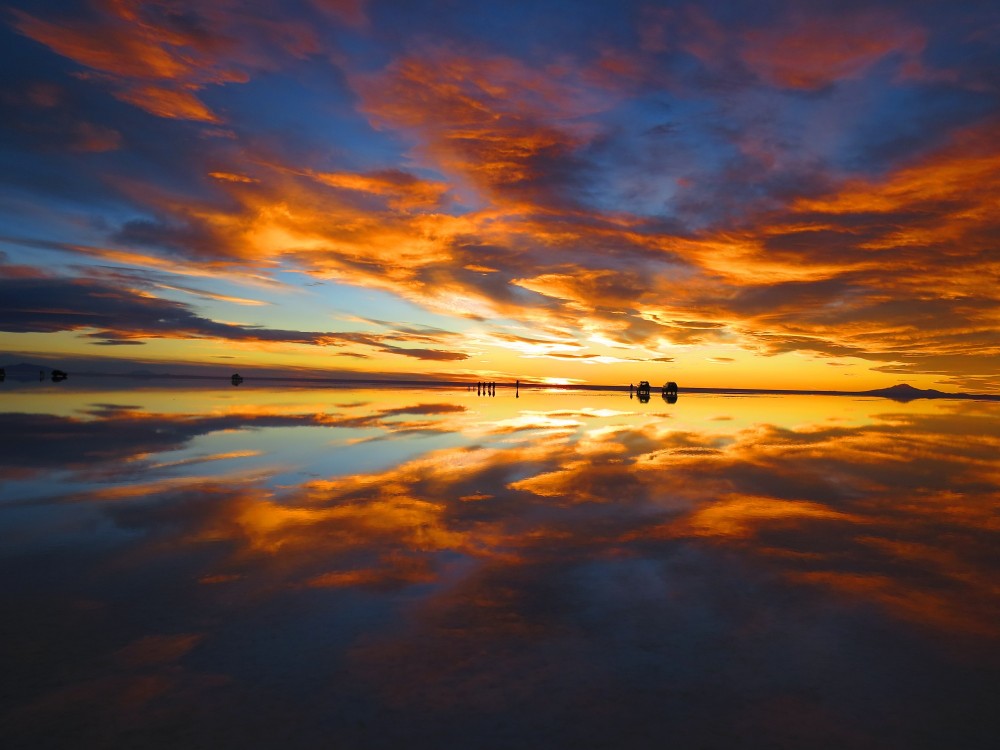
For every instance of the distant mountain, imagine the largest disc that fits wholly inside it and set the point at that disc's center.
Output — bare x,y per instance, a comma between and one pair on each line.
906,392
26,371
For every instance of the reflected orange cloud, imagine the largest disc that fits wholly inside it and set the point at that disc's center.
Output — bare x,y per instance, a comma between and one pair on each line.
814,514
158,649
742,516
765,492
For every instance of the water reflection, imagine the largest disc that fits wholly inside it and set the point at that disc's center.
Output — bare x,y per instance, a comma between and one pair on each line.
370,568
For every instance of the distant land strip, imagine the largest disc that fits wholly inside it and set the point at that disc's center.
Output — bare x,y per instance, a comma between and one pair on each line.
24,372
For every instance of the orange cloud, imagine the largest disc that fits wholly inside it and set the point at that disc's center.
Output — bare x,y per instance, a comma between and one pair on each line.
819,275
491,121
231,177
170,103
855,271
156,62
404,189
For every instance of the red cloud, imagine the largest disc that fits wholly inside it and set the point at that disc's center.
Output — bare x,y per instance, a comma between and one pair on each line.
802,51
811,52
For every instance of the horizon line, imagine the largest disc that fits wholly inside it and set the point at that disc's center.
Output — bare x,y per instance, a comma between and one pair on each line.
890,392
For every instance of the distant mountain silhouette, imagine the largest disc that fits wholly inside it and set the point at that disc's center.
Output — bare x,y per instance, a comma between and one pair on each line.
26,371
905,392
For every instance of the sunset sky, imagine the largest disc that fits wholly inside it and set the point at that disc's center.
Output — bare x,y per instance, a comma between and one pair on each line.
766,194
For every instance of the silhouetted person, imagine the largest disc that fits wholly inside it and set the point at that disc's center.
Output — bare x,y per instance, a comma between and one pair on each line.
517,389
41,375
479,389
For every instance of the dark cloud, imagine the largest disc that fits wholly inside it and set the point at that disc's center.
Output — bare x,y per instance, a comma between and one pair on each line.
122,316
50,304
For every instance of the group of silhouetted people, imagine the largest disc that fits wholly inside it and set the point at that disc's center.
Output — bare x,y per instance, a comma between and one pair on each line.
485,389
490,389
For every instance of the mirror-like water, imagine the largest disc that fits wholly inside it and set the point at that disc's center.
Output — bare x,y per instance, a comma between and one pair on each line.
432,568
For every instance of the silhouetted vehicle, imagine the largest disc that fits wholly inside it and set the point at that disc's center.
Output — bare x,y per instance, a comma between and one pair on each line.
670,389
237,379
58,375
643,389
3,374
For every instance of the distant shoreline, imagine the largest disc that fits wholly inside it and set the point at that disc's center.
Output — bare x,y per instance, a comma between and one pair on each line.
901,393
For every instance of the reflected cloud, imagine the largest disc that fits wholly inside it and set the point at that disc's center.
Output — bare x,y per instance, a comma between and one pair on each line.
545,536
121,442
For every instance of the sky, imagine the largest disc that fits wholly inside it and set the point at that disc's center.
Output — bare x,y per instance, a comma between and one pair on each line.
734,194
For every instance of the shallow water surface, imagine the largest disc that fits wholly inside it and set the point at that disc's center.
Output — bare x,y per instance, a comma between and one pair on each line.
427,567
